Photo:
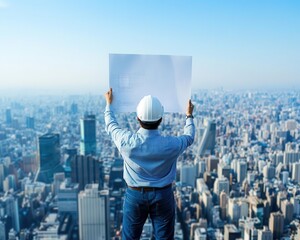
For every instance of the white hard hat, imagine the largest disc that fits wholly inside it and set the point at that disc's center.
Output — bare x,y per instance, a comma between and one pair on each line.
149,109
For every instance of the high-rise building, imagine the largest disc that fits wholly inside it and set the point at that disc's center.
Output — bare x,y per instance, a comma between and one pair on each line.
221,184
224,170
256,208
2,175
207,203
93,207
201,168
231,232
296,172
8,116
88,135
208,140
212,163
200,234
74,108
116,180
276,224
11,204
264,234
85,170
49,157
234,210
67,198
2,230
30,122
188,174
296,202
9,183
287,209
241,171
269,171
223,205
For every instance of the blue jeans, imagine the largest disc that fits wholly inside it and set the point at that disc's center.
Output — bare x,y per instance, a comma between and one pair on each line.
159,204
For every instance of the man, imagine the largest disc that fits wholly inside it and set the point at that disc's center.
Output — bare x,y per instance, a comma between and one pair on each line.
149,167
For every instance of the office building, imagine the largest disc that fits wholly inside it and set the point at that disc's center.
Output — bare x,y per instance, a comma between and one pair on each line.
74,108
53,228
201,168
88,135
264,234
231,232
224,170
208,140
67,199
287,209
8,116
296,172
221,184
241,171
207,203
188,174
200,234
276,224
11,208
234,211
296,202
93,207
212,163
49,157
223,205
84,170
116,180
30,122
2,230
256,208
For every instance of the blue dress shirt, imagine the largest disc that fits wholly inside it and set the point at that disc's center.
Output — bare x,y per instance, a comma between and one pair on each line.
149,158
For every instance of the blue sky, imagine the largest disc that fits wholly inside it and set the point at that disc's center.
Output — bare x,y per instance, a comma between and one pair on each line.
64,44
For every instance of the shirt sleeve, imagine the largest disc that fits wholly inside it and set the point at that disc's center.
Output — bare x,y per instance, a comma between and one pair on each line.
112,127
188,135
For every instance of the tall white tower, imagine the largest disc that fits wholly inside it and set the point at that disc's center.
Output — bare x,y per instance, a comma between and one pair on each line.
93,207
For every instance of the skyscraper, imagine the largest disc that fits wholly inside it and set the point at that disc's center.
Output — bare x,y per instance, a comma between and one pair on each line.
85,170
8,117
264,234
188,174
116,180
208,140
11,205
223,205
67,198
287,209
296,172
231,232
241,171
30,122
93,207
221,184
88,135
276,224
49,157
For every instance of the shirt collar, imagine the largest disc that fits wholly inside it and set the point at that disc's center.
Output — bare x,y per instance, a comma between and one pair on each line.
152,132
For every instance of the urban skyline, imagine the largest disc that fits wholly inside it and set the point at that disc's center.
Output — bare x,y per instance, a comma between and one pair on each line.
240,178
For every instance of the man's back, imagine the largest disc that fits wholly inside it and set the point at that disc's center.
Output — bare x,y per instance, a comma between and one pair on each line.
149,167
150,159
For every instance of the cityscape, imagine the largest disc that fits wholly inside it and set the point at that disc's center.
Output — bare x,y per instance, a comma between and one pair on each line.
61,176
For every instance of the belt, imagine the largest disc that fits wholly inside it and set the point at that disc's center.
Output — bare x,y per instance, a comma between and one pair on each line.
149,189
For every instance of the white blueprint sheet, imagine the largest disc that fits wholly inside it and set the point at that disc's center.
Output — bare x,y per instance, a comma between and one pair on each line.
133,76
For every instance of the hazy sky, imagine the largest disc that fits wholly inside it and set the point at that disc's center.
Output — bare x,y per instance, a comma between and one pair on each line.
64,44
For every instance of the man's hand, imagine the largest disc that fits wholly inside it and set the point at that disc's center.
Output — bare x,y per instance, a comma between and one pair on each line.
109,96
190,108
